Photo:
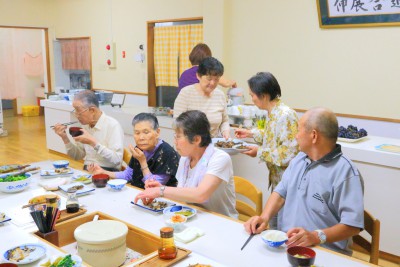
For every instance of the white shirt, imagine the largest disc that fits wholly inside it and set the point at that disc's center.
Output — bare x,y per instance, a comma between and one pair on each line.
109,135
223,200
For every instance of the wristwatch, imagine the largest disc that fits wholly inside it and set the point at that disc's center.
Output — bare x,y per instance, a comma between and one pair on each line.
321,236
162,188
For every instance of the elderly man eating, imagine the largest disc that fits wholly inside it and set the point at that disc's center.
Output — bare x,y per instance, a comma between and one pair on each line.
320,197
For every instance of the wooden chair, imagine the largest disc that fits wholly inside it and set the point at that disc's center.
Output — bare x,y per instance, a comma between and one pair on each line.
372,226
126,158
250,191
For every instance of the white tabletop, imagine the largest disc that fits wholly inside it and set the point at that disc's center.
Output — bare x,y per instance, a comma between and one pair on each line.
220,246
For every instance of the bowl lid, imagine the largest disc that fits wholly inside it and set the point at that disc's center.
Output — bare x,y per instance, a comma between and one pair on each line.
101,231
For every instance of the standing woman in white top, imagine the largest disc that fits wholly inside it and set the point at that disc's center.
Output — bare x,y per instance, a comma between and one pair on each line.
205,173
102,136
206,97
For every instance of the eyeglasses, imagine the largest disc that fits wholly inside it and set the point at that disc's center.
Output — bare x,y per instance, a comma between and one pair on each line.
78,113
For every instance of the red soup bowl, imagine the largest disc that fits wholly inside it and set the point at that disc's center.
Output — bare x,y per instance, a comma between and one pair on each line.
75,131
100,180
301,256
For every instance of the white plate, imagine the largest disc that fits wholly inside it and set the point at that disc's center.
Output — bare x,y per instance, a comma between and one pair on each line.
88,176
230,151
348,140
176,209
52,173
80,192
39,252
140,204
241,149
75,258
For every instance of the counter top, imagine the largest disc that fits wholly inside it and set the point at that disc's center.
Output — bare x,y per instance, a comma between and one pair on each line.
220,246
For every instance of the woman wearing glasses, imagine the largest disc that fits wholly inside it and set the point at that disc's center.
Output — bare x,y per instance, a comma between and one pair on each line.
205,174
102,136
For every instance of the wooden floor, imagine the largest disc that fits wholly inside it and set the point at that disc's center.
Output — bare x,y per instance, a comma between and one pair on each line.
26,143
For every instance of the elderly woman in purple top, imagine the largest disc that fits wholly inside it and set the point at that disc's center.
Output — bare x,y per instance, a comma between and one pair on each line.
152,158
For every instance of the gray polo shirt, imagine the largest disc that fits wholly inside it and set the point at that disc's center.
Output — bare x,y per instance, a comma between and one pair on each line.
320,194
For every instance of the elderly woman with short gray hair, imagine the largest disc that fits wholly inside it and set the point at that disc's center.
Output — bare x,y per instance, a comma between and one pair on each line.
152,158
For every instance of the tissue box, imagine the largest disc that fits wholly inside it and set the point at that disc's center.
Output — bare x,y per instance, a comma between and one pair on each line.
30,111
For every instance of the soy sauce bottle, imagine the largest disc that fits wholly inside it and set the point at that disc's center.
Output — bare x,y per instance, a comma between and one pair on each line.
72,202
167,250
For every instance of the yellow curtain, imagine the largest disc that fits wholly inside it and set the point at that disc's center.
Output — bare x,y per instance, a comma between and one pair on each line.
173,44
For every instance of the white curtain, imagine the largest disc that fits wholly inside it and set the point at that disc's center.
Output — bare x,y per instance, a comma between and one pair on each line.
11,65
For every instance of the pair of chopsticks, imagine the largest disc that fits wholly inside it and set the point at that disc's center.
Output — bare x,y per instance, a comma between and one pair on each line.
65,124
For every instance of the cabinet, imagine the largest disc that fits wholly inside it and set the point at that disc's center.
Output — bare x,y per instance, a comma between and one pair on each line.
75,54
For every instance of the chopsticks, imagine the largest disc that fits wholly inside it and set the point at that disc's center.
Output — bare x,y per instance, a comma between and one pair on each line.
45,221
65,124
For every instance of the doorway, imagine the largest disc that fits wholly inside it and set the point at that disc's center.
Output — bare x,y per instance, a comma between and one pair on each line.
24,61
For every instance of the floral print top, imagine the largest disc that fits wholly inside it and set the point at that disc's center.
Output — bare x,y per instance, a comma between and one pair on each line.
278,141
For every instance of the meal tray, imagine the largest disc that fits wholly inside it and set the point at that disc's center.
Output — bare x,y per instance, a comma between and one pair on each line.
137,239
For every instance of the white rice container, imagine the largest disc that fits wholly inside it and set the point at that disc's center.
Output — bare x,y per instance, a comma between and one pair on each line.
102,243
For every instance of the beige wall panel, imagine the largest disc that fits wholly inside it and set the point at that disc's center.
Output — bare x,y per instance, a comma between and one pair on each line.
350,70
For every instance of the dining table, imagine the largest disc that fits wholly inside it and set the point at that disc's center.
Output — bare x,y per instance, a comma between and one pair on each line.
219,246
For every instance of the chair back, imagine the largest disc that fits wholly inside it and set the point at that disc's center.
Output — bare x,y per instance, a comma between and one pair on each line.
126,158
250,191
372,226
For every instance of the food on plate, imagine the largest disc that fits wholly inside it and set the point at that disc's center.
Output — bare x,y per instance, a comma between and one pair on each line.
60,262
61,170
186,213
227,144
241,147
351,132
199,265
82,179
177,218
157,205
75,187
19,253
2,216
301,256
13,178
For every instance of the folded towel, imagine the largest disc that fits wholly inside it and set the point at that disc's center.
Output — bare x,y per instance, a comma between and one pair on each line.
189,234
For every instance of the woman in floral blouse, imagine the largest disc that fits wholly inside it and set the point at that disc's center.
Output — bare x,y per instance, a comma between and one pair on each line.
278,145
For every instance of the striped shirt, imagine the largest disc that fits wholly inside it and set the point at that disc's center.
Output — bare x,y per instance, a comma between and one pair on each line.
214,106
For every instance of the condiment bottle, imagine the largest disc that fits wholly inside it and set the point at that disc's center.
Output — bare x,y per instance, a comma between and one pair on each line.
72,201
167,250
51,201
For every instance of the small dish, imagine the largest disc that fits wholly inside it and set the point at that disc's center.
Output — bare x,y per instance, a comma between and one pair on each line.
348,140
156,210
83,178
117,184
4,218
274,238
176,221
56,173
183,210
84,189
60,164
49,262
32,253
229,150
241,147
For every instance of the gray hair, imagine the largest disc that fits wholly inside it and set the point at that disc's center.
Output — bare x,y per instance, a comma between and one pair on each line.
88,98
146,117
324,121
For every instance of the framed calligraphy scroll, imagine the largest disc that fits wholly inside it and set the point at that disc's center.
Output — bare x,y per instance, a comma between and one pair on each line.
358,13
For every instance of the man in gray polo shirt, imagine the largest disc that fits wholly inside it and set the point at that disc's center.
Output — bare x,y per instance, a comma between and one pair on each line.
320,198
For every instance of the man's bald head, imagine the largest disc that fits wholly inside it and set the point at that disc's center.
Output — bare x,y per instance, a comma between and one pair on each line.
322,120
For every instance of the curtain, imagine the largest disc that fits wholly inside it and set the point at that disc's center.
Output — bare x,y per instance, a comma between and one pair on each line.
11,64
172,44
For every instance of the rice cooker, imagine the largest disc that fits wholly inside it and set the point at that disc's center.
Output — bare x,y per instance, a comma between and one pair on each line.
102,243
235,96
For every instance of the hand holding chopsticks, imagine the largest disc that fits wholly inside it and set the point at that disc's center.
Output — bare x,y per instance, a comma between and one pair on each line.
65,124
